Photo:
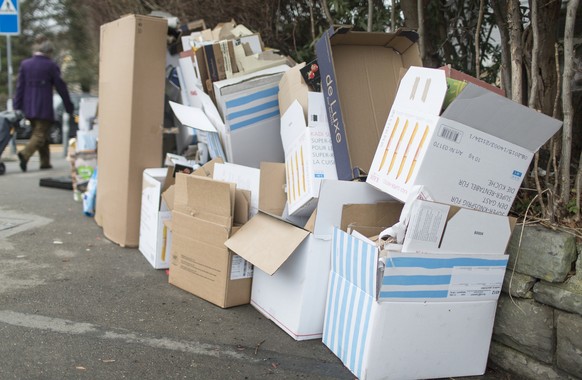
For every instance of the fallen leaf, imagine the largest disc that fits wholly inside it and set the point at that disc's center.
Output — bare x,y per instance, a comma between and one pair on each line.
81,368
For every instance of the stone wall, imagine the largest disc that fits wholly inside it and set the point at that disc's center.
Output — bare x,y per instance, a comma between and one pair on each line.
538,326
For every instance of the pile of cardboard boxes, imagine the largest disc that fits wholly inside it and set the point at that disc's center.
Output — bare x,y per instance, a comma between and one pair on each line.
360,199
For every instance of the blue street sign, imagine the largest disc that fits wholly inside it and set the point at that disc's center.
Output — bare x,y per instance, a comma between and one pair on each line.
9,17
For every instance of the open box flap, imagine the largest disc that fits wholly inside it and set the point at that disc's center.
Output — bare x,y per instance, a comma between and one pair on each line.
205,198
168,197
502,117
291,88
333,195
421,89
439,228
266,242
292,125
381,214
207,170
272,196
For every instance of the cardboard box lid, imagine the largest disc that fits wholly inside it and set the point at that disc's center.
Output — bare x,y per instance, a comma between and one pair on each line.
425,89
266,242
168,196
502,117
272,196
333,195
205,198
292,125
291,88
207,170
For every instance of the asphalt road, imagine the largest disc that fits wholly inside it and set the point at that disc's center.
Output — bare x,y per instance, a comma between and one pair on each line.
74,305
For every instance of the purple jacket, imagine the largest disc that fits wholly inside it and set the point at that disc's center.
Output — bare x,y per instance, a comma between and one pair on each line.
34,89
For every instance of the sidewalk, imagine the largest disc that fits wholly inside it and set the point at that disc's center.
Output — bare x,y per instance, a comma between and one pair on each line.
74,305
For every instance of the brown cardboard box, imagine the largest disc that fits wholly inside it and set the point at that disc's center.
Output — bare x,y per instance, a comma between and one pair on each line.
202,220
360,72
131,102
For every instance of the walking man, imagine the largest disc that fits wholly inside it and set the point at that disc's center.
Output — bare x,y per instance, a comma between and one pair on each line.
37,77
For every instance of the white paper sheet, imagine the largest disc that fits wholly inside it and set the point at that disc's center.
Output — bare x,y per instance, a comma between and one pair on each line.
192,117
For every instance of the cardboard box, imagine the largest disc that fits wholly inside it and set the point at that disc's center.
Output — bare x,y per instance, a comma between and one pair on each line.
360,72
444,229
308,154
418,316
474,155
292,263
131,104
250,110
202,220
153,232
220,60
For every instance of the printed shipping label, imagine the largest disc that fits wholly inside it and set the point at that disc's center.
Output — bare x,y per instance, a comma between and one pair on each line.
240,268
476,281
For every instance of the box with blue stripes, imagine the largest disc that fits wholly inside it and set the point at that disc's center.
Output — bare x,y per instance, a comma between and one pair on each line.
409,315
249,107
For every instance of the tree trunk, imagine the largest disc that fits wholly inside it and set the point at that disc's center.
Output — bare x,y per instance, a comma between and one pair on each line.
393,16
410,11
500,10
326,12
543,78
478,40
421,33
567,99
515,35
370,14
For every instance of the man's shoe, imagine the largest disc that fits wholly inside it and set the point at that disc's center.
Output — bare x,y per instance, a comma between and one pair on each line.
22,162
2,168
45,167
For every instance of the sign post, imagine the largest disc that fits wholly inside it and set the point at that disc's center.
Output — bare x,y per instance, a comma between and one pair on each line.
9,26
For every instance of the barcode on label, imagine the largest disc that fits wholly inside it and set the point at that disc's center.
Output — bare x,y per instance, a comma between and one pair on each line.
450,134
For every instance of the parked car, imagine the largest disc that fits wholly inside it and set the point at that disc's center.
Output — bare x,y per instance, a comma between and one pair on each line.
56,131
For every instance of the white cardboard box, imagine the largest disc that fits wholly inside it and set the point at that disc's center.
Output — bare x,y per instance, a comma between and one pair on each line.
292,264
474,155
440,228
249,107
153,232
308,153
421,332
